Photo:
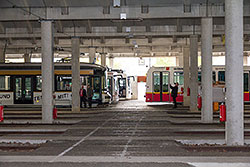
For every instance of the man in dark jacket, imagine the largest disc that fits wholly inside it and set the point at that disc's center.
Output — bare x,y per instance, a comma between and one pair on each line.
89,95
174,93
83,96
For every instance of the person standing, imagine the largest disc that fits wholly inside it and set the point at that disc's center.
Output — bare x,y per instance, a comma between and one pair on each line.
89,95
174,93
83,97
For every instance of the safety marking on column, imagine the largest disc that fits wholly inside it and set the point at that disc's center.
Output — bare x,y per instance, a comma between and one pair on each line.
79,142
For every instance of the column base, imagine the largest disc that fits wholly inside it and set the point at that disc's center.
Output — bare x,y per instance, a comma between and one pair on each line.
186,101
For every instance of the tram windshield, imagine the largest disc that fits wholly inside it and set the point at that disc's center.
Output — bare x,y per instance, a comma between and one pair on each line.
96,87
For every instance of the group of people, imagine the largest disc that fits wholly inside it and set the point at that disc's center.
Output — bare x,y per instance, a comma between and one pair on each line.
86,96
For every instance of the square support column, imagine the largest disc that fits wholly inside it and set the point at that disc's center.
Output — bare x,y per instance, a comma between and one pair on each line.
179,61
186,56
103,59
92,56
193,72
75,67
111,62
47,70
27,58
206,70
234,72
2,55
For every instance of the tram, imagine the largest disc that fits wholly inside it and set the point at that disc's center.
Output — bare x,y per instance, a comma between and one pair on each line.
113,86
119,85
159,80
124,81
22,83
158,84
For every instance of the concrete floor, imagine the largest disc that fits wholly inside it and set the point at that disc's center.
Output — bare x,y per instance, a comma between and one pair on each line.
127,134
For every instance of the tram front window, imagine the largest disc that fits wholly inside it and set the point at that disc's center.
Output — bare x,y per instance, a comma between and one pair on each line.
4,82
109,84
179,77
122,87
165,82
97,88
38,82
156,82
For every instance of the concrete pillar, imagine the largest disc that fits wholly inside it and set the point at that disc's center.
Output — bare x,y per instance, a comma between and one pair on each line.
92,55
186,56
103,59
27,58
179,61
206,70
2,55
75,66
111,62
234,72
245,60
193,72
47,70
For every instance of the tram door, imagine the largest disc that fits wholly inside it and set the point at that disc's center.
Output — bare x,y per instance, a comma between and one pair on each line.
23,92
161,87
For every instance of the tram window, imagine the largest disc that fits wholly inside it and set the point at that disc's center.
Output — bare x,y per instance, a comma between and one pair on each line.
109,83
4,82
38,82
96,88
214,76
122,87
128,82
63,83
83,80
156,82
179,77
116,85
104,86
246,76
221,76
199,76
165,82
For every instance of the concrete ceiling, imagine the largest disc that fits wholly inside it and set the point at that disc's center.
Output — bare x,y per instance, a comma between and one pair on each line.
152,26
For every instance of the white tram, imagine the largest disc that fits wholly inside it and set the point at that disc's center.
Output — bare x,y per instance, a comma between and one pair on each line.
158,84
113,86
159,80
